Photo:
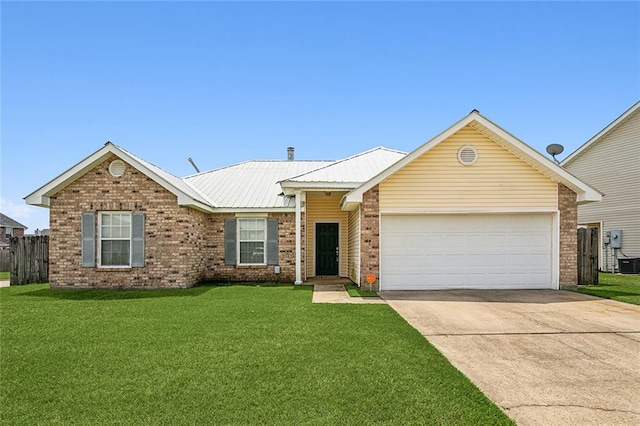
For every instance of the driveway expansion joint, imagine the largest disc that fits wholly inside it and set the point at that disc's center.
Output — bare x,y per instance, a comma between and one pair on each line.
609,410
514,333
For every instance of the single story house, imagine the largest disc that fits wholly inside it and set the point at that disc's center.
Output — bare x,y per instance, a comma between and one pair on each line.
9,228
474,207
610,161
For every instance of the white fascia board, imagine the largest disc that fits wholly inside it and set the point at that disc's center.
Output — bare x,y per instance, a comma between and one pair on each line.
584,192
40,197
290,188
600,134
255,210
185,200
37,200
355,196
483,210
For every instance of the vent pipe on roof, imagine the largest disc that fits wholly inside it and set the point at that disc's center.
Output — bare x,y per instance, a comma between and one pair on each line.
193,164
290,151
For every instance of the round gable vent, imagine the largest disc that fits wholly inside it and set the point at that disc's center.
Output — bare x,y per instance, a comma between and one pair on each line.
467,155
116,168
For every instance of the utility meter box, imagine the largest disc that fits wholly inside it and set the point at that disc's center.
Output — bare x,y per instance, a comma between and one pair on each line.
616,239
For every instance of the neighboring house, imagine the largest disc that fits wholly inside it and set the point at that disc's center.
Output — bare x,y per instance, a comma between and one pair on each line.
9,228
472,208
610,161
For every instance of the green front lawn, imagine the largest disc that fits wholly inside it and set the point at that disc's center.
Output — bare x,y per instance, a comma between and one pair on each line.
355,291
223,355
624,288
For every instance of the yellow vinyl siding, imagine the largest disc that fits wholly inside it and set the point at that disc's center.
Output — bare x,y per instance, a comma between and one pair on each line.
325,208
498,180
354,245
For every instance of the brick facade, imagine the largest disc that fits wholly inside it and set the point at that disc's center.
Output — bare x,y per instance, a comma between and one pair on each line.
174,237
370,237
216,270
568,207
183,246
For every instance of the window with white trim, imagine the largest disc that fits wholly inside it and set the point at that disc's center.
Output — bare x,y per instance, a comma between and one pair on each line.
252,239
8,232
114,235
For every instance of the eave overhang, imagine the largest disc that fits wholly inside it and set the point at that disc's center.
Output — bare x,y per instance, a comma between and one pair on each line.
584,192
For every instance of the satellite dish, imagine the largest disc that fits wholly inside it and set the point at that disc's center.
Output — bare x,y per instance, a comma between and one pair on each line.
555,149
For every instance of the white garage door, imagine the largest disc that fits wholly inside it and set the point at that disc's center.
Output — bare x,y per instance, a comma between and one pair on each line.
432,252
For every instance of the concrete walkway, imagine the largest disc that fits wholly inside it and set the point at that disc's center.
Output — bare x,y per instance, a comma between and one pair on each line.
4,283
546,357
333,291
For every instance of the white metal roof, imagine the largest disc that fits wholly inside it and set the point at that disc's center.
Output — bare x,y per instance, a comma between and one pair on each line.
355,169
186,194
251,184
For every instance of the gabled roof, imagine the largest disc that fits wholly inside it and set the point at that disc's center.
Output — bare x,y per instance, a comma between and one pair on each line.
348,173
509,142
187,195
7,222
251,184
602,133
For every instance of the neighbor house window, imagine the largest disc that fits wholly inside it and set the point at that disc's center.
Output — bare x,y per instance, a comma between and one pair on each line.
252,237
8,232
114,234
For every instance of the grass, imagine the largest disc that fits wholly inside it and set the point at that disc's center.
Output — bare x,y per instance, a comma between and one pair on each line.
623,288
5,275
355,291
223,355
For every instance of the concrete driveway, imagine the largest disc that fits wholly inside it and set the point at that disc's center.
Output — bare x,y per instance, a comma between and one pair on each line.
545,357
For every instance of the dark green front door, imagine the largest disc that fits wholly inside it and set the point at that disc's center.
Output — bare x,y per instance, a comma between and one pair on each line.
327,249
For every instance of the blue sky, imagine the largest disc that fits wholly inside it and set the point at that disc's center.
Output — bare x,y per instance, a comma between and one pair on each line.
226,82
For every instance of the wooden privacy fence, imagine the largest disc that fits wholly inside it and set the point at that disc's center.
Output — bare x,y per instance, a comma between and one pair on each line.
5,259
29,259
587,256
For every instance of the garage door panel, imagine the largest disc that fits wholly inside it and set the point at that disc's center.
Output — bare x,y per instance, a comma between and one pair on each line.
466,251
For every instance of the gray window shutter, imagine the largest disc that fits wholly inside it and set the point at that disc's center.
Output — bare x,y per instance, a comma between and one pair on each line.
137,240
88,240
229,241
272,241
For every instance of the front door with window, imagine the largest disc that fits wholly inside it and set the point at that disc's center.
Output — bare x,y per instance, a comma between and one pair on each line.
327,249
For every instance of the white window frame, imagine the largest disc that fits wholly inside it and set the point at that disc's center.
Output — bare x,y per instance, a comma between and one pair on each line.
239,240
100,239
8,232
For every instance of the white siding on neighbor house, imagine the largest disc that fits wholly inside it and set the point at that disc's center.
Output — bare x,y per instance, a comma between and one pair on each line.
612,166
354,245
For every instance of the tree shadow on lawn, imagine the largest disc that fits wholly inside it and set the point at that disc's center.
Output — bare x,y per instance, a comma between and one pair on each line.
142,293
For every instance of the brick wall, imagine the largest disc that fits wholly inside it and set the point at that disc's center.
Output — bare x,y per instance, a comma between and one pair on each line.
568,237
370,237
17,232
174,237
216,270
183,246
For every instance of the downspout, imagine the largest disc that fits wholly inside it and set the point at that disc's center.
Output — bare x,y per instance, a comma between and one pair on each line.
298,239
